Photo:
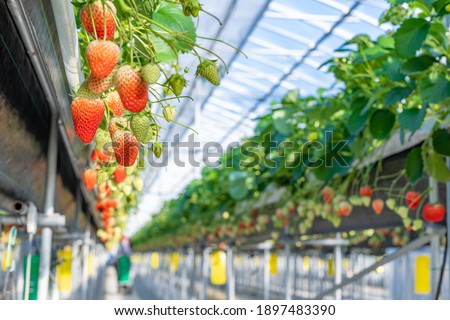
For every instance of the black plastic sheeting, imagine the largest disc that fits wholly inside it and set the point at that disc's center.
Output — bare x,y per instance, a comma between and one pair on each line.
25,119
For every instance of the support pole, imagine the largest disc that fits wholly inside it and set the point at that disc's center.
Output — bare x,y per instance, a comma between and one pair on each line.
84,274
338,267
204,277
266,274
184,283
448,228
46,238
434,243
288,277
230,275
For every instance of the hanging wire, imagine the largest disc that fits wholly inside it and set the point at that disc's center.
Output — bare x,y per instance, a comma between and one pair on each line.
441,273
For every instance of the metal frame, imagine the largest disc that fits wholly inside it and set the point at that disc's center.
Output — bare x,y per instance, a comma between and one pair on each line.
400,252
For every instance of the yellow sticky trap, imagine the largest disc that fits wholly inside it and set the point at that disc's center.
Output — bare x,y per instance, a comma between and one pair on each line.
154,260
306,263
422,275
218,268
90,265
330,269
321,263
273,264
6,264
64,269
345,264
174,262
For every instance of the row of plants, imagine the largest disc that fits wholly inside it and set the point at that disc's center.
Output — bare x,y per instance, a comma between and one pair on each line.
389,88
130,58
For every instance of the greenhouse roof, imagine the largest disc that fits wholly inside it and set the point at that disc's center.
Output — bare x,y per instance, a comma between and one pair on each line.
286,42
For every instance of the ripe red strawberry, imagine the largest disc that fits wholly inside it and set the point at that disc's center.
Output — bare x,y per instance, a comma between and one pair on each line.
126,148
133,90
254,213
110,203
100,15
90,178
102,155
114,103
100,205
98,85
120,174
344,209
378,205
279,213
113,127
412,199
433,212
94,155
365,191
327,194
409,228
102,57
87,115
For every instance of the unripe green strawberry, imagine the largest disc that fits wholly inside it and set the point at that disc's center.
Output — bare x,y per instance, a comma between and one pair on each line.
390,203
191,7
138,184
417,224
157,149
208,70
150,73
84,92
176,82
127,189
366,201
102,177
129,170
141,127
102,138
169,113
402,211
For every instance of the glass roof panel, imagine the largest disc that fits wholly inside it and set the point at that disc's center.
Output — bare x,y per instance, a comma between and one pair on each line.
285,46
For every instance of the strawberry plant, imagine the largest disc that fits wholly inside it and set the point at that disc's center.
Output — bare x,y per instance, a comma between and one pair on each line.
130,56
390,88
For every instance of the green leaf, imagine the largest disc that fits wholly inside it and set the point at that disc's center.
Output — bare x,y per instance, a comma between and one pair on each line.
386,42
410,36
441,142
359,116
434,89
435,166
240,184
280,122
414,165
391,68
417,64
164,53
171,16
381,123
370,54
411,119
397,94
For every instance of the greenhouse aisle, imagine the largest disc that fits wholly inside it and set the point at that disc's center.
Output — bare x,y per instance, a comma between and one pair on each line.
112,291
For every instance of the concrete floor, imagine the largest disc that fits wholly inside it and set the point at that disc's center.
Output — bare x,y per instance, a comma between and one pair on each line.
112,291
